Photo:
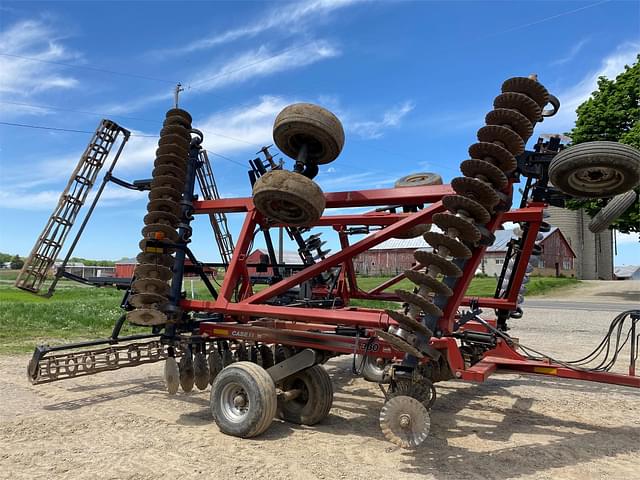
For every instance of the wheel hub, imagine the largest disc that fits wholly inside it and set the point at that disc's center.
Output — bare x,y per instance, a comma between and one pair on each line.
234,402
594,179
405,421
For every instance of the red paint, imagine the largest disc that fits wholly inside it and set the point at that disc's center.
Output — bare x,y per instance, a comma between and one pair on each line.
249,316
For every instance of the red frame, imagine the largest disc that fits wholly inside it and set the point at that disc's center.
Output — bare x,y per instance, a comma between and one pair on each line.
305,323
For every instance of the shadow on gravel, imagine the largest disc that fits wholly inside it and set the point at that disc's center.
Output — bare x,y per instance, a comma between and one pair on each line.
135,388
462,410
466,410
628,296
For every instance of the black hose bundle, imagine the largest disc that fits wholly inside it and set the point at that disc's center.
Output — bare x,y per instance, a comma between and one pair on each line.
607,351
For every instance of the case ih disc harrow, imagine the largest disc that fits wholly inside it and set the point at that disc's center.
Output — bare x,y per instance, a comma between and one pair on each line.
262,351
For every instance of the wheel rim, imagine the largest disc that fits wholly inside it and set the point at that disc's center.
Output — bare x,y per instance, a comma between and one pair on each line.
234,402
595,179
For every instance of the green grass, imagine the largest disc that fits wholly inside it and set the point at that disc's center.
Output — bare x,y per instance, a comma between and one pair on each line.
77,312
480,287
73,313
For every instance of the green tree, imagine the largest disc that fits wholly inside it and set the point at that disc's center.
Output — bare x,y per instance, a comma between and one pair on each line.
612,113
16,263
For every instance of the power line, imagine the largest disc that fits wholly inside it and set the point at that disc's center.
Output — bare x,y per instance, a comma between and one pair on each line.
62,109
86,67
42,127
226,158
107,115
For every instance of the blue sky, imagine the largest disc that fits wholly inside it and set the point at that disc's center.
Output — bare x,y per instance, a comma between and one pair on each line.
411,82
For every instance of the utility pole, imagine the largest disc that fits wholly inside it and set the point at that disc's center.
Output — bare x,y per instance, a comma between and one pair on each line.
176,94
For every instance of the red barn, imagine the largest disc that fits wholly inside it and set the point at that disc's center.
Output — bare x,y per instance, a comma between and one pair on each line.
262,256
394,256
126,266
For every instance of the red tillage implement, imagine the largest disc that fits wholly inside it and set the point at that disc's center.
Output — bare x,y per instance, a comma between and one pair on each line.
262,351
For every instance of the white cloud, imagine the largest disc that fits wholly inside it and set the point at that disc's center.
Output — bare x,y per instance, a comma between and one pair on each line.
371,129
627,238
571,54
22,78
262,62
249,65
288,16
245,128
571,98
18,199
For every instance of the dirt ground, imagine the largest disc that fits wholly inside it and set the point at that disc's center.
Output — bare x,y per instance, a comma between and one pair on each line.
627,291
122,425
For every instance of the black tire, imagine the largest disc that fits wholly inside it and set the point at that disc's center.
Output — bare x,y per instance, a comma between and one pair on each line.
596,169
289,198
422,179
612,210
253,385
305,123
201,371
187,373
315,401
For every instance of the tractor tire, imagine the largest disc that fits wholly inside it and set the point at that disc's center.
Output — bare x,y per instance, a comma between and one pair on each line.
315,401
612,210
243,400
596,169
288,198
311,125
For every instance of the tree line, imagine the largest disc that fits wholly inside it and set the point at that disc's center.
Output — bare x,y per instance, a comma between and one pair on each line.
17,262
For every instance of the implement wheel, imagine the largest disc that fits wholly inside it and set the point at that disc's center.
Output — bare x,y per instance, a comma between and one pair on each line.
288,198
307,124
422,179
314,400
596,169
612,210
243,400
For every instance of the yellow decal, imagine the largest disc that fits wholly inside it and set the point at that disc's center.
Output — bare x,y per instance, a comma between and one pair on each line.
546,370
217,331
